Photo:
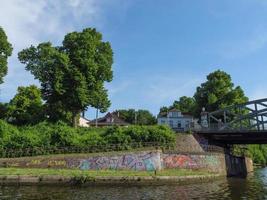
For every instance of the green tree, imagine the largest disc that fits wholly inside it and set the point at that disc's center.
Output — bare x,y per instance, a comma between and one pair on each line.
26,106
74,73
218,92
3,110
185,104
140,117
5,52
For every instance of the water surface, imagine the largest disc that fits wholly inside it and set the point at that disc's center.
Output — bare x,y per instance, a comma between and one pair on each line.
253,187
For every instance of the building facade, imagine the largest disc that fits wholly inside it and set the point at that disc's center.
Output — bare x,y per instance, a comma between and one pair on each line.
177,120
110,119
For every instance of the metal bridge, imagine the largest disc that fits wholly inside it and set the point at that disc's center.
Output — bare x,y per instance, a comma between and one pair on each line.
238,124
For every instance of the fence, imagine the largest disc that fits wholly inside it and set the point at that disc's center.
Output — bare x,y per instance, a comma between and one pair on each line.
35,151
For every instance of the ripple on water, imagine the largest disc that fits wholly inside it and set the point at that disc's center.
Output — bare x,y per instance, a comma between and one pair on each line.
253,187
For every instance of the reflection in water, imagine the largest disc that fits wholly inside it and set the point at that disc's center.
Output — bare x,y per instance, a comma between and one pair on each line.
253,187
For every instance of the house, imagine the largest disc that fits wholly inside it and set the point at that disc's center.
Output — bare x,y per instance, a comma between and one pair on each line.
83,122
110,119
177,120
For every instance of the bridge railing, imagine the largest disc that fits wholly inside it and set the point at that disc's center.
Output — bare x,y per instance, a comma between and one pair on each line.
246,116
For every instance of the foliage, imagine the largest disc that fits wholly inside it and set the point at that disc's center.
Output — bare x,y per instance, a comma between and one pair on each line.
26,106
45,136
3,110
139,117
218,92
184,104
73,74
258,153
5,52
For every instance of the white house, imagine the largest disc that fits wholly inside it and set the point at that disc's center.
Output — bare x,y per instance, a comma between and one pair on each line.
83,122
177,120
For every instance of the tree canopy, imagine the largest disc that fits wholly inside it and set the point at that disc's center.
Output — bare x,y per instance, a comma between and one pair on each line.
5,52
72,75
139,117
26,106
218,92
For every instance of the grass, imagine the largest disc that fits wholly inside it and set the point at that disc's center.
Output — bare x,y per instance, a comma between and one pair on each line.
102,173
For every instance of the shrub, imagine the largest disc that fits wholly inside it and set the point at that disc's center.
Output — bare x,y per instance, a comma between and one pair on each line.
45,136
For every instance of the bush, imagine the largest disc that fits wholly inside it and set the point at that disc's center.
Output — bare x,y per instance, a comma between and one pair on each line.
46,136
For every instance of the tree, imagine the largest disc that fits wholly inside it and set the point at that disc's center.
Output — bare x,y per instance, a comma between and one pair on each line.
185,104
74,73
3,110
5,52
218,92
26,106
140,117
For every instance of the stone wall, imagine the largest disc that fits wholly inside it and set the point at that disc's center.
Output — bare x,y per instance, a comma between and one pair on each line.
140,161
206,161
145,160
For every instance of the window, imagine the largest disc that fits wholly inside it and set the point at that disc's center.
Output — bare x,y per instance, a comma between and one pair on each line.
162,121
171,123
179,125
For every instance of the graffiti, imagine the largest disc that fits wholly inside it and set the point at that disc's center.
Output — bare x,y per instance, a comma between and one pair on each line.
179,161
145,161
56,163
12,164
33,162
209,162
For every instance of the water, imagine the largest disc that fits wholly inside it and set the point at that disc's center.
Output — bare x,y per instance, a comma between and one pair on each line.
253,187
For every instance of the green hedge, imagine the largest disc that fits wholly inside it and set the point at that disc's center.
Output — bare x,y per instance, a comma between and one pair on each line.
46,136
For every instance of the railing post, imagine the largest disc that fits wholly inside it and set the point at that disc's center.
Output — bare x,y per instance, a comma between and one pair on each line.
257,117
262,122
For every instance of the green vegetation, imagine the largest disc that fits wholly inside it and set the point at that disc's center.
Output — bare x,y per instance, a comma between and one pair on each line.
44,136
72,76
216,93
26,107
138,117
5,52
258,153
102,173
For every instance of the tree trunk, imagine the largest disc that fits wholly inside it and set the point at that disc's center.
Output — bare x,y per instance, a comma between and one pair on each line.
75,118
96,121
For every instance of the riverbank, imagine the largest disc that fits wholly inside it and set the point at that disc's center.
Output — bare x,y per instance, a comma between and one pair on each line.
31,176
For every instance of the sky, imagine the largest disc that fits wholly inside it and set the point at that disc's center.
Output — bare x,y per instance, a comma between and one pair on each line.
163,49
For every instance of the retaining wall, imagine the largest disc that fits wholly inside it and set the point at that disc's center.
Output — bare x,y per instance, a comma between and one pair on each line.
145,160
206,161
141,160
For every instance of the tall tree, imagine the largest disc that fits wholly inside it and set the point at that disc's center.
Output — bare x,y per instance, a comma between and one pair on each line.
140,117
5,52
26,106
185,104
74,73
218,92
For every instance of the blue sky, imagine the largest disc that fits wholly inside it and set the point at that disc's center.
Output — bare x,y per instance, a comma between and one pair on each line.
163,49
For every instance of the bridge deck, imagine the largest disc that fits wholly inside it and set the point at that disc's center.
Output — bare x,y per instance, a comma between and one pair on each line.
235,137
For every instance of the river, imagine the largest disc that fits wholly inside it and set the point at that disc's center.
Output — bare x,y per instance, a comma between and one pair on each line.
253,187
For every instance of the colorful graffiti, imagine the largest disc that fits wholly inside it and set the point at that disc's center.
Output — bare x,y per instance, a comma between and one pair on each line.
146,161
179,161
209,162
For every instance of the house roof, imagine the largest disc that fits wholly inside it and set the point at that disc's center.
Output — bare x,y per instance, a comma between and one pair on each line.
184,114
110,119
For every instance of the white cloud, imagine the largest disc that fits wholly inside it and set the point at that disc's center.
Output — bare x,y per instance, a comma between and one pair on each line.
31,22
